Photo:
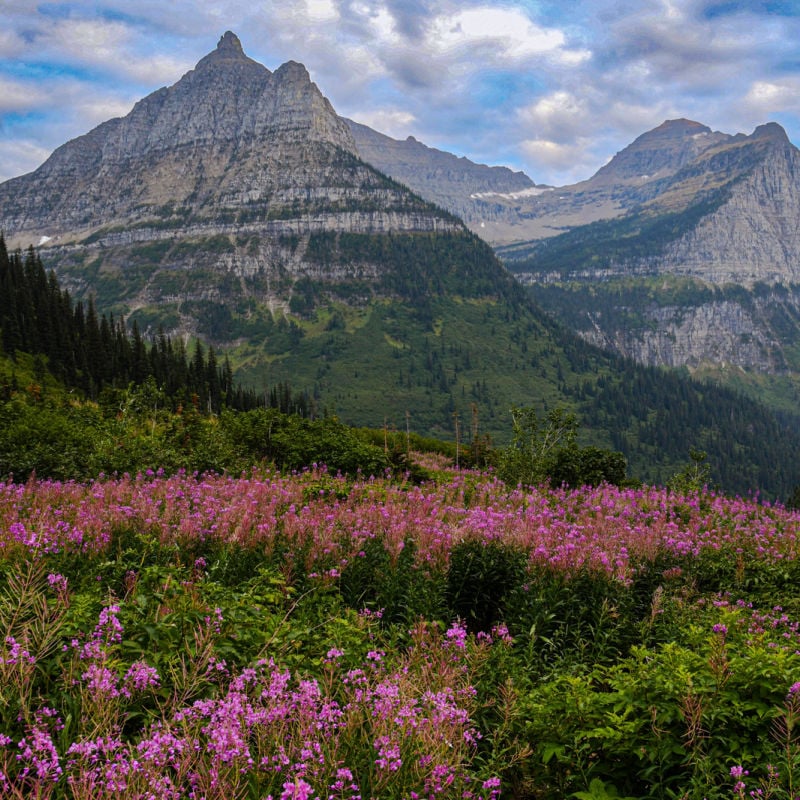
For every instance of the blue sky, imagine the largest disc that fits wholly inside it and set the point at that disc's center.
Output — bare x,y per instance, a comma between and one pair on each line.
553,88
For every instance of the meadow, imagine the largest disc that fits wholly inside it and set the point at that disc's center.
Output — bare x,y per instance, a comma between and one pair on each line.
308,635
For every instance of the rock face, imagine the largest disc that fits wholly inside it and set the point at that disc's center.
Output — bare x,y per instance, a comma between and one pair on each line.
699,265
753,235
484,197
716,334
226,175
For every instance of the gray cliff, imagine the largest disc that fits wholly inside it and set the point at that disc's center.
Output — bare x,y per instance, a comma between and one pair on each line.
229,174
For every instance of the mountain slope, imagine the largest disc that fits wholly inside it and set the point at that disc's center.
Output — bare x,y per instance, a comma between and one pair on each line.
247,218
701,270
478,194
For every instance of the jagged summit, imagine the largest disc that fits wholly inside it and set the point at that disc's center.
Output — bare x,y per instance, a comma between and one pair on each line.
229,45
228,51
218,185
771,130
216,131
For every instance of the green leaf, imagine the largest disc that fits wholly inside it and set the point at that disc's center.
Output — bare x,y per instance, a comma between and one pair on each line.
551,749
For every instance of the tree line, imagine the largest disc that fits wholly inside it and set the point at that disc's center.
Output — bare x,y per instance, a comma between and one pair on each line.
97,353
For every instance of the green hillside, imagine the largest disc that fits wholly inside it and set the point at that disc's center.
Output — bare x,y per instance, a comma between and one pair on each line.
446,353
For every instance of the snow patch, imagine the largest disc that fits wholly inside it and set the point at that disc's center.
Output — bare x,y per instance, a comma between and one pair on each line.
44,240
532,192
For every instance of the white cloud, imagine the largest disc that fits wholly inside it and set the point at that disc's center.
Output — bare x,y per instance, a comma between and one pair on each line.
322,11
556,157
11,45
157,70
765,98
392,122
17,96
110,46
89,41
557,115
507,34
20,156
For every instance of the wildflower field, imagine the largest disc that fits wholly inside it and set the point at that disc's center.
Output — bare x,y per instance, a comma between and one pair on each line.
311,636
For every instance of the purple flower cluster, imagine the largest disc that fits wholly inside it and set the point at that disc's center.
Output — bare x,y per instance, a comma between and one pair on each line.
604,529
409,716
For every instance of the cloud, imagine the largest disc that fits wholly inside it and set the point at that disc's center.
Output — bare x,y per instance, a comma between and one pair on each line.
11,45
20,156
502,34
19,96
392,122
108,46
562,163
322,11
559,115
765,99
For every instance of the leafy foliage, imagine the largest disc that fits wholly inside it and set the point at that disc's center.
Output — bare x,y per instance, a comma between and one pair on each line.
547,450
600,650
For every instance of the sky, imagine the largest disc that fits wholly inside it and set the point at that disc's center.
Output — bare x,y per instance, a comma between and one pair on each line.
551,88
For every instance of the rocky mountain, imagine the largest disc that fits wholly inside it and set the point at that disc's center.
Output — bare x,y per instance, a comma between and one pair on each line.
247,218
505,207
236,207
699,264
482,196
200,185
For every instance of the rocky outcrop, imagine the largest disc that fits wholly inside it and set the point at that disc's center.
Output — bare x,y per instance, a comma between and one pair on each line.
709,335
474,192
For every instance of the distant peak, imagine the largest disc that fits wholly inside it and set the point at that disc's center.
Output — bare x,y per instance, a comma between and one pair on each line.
230,45
678,127
228,51
770,131
682,123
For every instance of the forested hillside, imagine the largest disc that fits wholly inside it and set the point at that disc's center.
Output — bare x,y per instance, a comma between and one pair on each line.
95,353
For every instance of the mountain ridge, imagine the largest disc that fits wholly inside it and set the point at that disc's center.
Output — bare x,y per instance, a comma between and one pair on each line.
252,223
700,271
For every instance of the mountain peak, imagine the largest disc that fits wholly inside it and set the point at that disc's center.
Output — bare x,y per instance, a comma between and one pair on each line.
771,130
228,51
659,152
229,44
293,71
679,127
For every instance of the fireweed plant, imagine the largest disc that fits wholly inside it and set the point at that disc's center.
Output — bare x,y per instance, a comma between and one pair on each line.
308,636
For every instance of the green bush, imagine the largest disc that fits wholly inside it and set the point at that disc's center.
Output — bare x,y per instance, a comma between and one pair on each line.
670,721
480,577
